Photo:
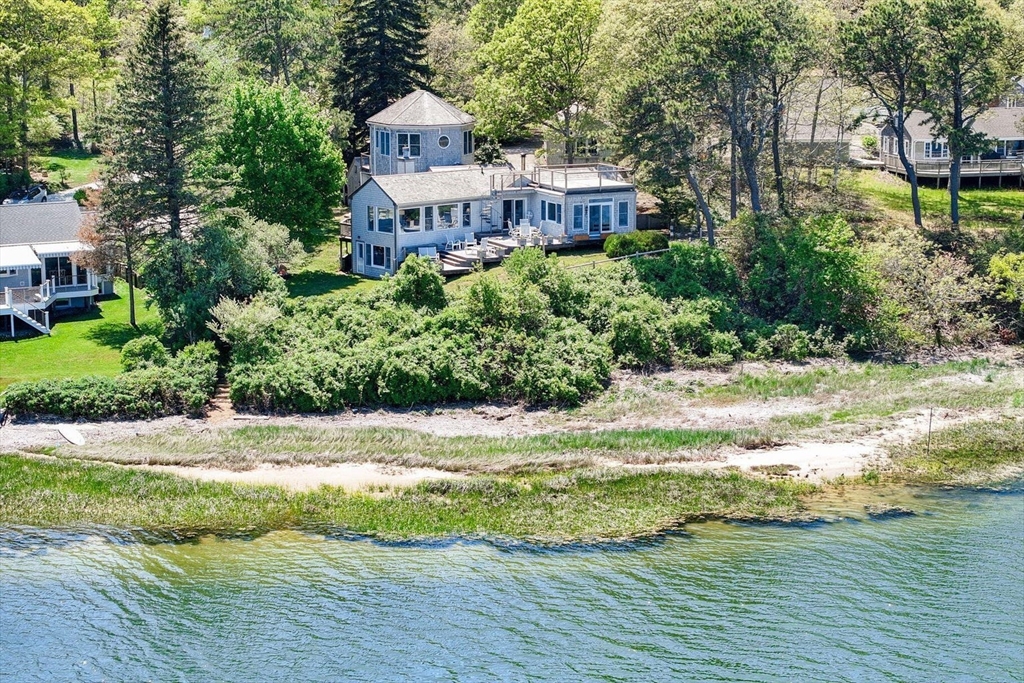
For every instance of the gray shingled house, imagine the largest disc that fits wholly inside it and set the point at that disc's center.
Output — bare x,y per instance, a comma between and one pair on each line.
418,192
930,154
38,279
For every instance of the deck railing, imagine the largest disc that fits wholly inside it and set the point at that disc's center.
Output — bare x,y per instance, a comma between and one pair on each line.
939,168
564,177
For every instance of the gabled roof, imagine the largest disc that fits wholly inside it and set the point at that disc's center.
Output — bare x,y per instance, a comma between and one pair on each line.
437,187
1001,123
42,223
421,108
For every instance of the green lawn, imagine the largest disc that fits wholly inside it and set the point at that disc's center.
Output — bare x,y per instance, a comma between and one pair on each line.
85,344
979,208
581,258
320,275
81,167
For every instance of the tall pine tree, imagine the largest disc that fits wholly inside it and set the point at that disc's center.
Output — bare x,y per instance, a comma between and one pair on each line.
383,58
157,126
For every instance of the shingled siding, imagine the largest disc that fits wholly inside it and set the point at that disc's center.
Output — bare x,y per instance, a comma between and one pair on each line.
431,153
370,195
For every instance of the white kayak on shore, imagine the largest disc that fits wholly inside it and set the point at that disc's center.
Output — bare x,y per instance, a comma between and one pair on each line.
71,434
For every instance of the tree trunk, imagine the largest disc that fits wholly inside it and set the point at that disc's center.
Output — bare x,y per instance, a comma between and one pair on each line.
780,189
911,173
130,277
702,204
814,130
750,173
74,119
570,143
734,181
954,188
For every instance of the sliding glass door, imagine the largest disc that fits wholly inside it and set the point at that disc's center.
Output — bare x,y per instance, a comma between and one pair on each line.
600,218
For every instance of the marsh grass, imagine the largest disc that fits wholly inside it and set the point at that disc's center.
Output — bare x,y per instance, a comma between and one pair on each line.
247,447
550,507
976,452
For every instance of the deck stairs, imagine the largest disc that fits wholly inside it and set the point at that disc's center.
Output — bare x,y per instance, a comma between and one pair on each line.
29,305
30,321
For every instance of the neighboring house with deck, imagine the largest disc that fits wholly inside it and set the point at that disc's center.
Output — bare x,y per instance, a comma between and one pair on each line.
418,192
38,279
929,154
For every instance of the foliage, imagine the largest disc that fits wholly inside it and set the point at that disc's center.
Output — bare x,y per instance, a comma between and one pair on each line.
280,40
936,297
690,270
183,385
535,70
809,271
419,284
488,152
233,256
381,58
629,243
288,170
143,352
1008,272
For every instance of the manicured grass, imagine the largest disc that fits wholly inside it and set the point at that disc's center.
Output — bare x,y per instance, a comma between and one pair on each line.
81,167
979,208
248,447
972,453
564,507
85,344
320,275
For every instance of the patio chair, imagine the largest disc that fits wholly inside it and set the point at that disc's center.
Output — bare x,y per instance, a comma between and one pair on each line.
429,252
453,244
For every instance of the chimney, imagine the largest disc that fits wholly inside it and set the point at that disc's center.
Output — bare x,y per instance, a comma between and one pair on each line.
522,161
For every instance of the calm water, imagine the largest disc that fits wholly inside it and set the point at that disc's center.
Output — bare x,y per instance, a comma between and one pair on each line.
936,597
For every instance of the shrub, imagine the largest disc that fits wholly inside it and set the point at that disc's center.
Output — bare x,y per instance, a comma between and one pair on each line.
418,283
689,270
143,352
788,342
630,243
638,335
870,144
183,385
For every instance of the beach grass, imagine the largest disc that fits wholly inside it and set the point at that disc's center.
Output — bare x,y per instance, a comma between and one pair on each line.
973,453
247,447
577,505
87,343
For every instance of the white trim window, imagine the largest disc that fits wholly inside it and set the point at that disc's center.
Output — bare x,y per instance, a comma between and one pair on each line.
371,218
447,216
385,219
409,219
577,218
467,215
623,211
381,257
359,257
936,150
383,142
550,211
443,142
409,142
428,218
600,216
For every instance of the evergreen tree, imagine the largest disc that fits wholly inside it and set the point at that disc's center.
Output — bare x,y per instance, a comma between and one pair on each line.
383,53
157,126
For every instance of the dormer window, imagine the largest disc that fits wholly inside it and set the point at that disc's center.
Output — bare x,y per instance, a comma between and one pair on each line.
384,143
409,145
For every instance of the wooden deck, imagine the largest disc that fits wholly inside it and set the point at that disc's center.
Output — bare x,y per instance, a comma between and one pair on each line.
462,261
986,168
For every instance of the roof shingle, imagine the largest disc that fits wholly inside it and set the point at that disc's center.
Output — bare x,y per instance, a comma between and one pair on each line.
421,108
41,223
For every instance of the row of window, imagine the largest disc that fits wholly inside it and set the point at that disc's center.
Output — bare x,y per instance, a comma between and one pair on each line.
552,211
427,218
378,257
410,144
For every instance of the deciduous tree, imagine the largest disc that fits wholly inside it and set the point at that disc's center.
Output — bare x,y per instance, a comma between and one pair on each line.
288,170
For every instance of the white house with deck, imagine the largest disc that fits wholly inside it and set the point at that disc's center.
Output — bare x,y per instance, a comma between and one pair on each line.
417,191
38,279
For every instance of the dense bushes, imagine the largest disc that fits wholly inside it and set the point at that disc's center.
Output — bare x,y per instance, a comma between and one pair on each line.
182,385
630,243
